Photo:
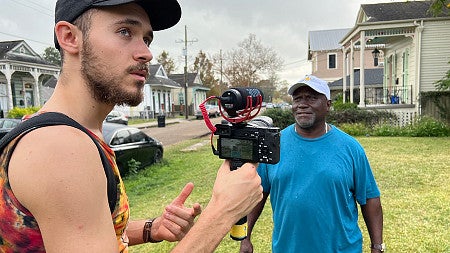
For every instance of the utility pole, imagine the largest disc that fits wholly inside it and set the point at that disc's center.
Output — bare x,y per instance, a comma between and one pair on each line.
185,53
221,69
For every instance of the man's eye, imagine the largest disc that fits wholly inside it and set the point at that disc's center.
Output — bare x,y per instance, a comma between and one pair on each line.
125,32
147,41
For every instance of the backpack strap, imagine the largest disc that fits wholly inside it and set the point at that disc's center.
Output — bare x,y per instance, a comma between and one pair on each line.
56,118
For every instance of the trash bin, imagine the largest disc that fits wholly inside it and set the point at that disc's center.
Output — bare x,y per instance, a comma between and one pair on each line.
161,121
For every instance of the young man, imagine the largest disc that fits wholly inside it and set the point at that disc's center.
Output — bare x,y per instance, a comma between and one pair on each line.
53,184
314,189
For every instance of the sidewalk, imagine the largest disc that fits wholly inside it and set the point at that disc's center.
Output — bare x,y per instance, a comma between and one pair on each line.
169,121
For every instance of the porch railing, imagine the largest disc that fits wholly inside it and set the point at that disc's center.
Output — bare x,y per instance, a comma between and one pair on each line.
393,95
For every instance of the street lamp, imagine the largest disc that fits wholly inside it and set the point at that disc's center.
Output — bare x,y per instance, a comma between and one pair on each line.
375,54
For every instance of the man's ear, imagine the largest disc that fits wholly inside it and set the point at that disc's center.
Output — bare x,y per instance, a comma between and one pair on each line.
68,36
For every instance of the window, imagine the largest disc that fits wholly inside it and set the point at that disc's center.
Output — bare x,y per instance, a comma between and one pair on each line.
122,137
332,61
137,136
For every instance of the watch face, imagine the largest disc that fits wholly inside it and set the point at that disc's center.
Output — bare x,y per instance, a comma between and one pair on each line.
380,247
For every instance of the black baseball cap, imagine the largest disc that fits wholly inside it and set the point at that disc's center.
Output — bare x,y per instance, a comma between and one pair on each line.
163,14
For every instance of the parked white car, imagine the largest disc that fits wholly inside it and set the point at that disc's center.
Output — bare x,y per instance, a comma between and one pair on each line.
213,111
117,117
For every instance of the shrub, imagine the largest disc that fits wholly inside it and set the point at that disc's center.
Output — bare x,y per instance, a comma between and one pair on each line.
357,122
387,130
355,129
18,113
427,127
133,166
281,118
339,105
355,115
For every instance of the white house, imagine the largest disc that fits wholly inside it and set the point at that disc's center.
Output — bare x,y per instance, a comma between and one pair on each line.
158,95
23,74
416,51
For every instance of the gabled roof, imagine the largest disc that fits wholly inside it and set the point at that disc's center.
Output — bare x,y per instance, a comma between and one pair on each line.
192,78
395,11
157,76
325,40
19,50
372,77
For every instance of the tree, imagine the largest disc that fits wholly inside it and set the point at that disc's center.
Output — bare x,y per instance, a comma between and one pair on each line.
204,67
444,83
52,55
439,6
250,63
167,62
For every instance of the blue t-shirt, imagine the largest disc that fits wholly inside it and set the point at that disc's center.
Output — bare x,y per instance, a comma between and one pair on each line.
313,192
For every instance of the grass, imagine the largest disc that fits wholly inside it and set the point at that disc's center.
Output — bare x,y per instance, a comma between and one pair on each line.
413,175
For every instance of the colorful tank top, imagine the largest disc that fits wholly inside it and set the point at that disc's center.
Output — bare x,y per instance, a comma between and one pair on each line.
19,231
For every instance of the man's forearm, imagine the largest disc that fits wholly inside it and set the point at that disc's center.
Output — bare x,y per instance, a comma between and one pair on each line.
253,216
135,231
373,217
206,234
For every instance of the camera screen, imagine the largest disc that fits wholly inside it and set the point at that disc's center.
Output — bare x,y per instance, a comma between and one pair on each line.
236,148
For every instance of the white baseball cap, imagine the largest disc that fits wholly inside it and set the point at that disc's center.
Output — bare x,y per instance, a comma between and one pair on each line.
315,83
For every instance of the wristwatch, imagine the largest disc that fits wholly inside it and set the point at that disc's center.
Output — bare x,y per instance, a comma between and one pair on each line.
380,247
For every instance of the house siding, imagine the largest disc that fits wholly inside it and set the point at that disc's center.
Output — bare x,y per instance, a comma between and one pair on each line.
435,53
320,64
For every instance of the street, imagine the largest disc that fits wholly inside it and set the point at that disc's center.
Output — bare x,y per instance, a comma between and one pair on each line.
183,130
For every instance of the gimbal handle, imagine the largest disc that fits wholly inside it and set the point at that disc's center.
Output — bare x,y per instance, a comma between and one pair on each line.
239,230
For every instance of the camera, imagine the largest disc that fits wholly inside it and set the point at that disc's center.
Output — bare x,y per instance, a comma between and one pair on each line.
243,137
244,142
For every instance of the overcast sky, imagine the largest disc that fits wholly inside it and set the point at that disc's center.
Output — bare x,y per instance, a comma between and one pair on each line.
214,24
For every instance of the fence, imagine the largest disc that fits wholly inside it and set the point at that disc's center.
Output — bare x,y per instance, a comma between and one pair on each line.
436,104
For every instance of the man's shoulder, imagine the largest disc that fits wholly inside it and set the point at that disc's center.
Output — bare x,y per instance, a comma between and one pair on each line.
53,142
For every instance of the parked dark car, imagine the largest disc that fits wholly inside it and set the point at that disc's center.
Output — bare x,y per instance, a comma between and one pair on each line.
117,117
131,143
7,124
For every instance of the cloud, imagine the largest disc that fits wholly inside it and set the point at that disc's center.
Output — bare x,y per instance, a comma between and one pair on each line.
215,25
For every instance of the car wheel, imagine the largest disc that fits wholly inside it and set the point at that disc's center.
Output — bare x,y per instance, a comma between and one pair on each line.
158,156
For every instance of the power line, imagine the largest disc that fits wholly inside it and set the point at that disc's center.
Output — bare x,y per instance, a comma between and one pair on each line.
24,38
297,61
41,6
33,8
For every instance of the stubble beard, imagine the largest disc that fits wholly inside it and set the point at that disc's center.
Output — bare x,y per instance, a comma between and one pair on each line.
106,87
305,123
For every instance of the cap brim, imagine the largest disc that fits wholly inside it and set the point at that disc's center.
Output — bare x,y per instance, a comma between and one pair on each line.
295,86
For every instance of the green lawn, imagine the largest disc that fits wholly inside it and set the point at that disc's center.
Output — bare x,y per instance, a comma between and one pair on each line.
413,175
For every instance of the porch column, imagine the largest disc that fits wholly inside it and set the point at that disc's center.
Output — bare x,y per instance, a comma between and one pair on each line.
362,87
8,76
37,97
418,51
352,72
344,72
